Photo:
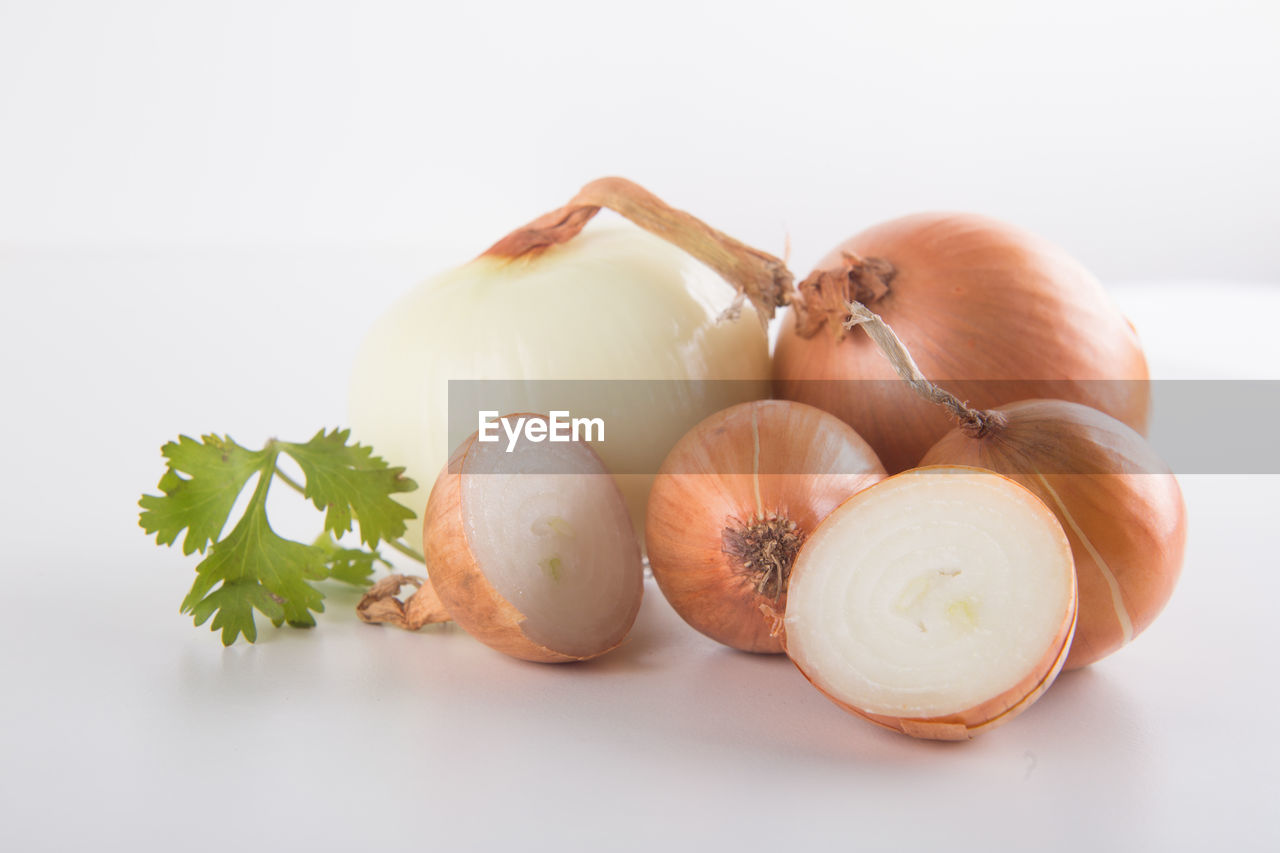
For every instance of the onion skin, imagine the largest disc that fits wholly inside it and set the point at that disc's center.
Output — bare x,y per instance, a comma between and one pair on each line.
707,484
1115,498
463,588
987,715
974,300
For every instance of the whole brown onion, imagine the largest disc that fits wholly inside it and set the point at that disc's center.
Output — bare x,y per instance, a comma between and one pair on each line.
974,300
1118,502
733,503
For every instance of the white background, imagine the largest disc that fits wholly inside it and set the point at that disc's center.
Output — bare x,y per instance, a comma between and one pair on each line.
1142,136
203,206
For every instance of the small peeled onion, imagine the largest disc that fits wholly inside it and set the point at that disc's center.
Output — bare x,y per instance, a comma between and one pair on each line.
1117,500
734,501
940,602
532,551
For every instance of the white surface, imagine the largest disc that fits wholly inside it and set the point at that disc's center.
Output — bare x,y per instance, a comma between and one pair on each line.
121,725
1140,134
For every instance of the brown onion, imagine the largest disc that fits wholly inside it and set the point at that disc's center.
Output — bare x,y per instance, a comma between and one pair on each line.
734,501
975,300
1117,500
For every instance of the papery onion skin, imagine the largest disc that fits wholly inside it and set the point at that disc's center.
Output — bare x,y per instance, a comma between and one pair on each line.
986,715
1118,502
612,303
974,300
800,461
462,587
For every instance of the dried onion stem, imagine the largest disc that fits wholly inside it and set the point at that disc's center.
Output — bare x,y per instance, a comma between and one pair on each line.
759,277
381,606
975,422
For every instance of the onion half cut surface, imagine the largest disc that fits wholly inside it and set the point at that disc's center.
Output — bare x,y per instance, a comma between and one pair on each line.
939,602
532,550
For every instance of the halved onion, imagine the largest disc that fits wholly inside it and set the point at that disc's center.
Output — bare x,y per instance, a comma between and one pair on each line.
940,602
532,550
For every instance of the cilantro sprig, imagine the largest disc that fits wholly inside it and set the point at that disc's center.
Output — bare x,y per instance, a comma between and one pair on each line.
253,567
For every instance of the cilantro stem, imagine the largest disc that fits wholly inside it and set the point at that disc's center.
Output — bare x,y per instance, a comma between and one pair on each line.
268,470
406,550
289,481
394,544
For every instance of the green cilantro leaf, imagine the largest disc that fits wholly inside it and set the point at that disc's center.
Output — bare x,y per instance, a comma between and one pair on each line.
349,565
232,605
216,470
343,479
253,567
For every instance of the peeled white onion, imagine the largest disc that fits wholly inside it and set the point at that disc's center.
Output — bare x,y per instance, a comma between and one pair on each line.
613,302
939,602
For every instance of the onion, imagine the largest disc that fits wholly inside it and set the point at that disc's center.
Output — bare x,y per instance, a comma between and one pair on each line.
975,300
532,551
1119,503
938,602
1117,500
547,302
732,504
